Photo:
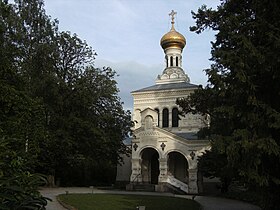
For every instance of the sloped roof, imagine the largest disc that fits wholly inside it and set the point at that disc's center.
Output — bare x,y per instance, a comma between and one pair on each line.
188,136
169,86
185,136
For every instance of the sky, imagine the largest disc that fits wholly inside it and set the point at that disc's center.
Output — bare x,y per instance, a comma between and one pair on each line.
126,36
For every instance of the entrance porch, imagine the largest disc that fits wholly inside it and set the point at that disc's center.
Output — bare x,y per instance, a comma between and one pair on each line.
163,171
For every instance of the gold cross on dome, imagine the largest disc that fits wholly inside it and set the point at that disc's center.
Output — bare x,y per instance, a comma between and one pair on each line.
172,14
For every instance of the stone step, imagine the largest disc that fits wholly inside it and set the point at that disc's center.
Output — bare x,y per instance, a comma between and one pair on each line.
174,190
144,187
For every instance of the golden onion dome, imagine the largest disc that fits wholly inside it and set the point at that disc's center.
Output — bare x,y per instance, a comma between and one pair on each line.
173,39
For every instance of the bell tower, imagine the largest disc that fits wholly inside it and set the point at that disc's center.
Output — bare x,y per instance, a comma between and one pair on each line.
173,43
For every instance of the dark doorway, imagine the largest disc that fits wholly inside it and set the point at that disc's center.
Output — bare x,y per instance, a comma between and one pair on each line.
150,166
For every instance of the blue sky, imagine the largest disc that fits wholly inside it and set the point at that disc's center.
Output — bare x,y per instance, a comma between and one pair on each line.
126,36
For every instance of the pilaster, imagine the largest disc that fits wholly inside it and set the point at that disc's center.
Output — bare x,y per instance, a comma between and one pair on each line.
160,118
170,118
193,188
136,171
162,170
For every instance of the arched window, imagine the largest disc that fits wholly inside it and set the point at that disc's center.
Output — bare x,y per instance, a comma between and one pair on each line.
177,61
157,110
175,117
166,61
165,118
171,61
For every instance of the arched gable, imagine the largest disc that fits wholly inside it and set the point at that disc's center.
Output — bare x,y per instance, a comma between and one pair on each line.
151,114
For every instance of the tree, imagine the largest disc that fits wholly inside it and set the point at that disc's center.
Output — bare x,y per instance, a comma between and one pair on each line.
57,109
21,122
85,115
242,95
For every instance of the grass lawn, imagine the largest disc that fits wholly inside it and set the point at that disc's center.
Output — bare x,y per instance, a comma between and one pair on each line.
127,202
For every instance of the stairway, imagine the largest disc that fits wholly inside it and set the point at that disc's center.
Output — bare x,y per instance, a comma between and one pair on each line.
170,188
171,180
144,187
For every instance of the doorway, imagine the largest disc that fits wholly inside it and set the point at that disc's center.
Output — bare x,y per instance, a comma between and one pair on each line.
150,166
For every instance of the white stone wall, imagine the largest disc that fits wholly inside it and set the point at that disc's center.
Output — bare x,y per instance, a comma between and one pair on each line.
154,138
147,134
165,99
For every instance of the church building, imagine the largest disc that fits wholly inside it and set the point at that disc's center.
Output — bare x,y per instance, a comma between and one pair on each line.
165,147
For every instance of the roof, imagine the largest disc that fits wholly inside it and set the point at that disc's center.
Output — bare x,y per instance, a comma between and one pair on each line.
188,136
168,86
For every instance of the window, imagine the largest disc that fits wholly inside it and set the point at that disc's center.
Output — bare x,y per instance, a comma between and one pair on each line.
175,117
165,118
166,61
157,110
177,61
171,61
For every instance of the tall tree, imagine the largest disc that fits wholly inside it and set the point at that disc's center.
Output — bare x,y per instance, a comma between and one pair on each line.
61,110
21,125
21,114
242,95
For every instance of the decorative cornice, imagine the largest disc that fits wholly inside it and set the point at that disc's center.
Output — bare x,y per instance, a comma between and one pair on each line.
163,93
194,143
153,101
172,75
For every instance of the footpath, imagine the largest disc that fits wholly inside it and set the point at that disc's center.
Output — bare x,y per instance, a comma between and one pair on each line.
207,202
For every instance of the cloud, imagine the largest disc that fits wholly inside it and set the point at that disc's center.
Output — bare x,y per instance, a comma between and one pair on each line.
126,35
132,76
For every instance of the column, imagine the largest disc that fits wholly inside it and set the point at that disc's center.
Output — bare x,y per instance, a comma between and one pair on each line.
136,175
160,118
193,188
170,118
162,170
162,178
180,61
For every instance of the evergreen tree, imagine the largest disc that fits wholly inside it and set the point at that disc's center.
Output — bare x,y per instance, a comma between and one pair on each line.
242,95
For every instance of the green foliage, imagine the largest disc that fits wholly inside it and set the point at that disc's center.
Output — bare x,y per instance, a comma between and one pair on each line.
242,96
21,192
57,110
213,164
18,187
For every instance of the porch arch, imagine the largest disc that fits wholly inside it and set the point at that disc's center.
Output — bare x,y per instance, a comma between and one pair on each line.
149,165
178,165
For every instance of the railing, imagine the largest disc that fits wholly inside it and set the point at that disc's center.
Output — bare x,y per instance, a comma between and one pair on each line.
136,177
177,183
